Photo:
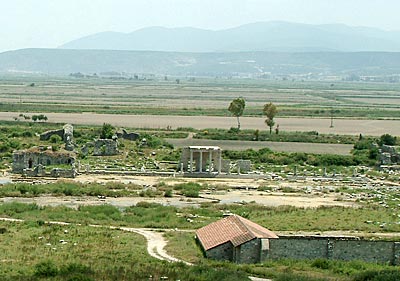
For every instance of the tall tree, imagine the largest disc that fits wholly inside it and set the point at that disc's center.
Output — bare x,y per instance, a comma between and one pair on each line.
236,108
270,111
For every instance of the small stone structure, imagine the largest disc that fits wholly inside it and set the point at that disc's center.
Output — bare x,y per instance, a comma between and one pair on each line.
233,238
128,136
196,159
66,133
33,161
388,155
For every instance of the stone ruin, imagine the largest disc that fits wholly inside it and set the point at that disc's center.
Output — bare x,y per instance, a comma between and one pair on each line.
388,155
33,162
199,159
102,147
127,136
66,134
208,159
243,166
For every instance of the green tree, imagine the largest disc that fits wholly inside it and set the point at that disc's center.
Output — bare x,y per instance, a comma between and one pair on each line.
270,111
236,108
107,131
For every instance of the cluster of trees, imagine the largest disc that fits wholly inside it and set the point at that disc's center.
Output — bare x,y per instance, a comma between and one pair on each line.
40,117
237,106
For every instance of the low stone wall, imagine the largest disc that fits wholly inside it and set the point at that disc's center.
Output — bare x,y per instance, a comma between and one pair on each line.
293,247
222,252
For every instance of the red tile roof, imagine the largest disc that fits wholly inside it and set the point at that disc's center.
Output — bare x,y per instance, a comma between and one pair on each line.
234,229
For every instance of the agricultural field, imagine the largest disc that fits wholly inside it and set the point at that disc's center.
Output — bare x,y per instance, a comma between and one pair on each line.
198,97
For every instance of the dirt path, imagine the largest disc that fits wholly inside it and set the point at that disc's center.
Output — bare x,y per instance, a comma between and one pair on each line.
155,244
321,125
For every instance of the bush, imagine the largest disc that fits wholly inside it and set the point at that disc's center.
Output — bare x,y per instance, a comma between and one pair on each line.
387,139
168,193
107,131
55,139
378,275
46,269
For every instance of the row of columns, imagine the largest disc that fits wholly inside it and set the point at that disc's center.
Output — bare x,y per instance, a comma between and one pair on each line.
210,159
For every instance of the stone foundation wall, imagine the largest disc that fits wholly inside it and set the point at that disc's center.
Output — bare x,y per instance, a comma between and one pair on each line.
333,248
248,252
305,248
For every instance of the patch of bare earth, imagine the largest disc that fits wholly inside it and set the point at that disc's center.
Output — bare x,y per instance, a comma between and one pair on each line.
321,125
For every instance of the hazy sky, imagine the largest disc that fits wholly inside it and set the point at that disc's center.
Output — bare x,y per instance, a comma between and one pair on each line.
50,23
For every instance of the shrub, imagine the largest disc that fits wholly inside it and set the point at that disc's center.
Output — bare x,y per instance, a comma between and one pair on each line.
168,193
55,139
378,275
387,140
46,269
107,131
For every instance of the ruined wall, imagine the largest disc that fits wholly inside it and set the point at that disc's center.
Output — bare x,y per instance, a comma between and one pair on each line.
244,166
333,248
105,147
221,252
31,159
226,166
33,162
127,136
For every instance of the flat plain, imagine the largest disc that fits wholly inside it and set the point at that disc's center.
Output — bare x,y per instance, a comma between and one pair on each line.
354,108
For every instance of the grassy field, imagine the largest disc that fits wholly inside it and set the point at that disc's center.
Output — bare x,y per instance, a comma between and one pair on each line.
37,251
59,252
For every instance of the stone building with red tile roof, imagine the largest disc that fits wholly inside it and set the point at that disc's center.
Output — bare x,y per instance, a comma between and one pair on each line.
234,238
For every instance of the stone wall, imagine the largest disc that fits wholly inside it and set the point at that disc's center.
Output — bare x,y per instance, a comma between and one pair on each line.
333,248
221,252
370,251
302,248
29,159
226,166
248,252
244,166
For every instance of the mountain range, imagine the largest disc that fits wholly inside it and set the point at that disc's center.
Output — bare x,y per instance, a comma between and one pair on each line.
261,36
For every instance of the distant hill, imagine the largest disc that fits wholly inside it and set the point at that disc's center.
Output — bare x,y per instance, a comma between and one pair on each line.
262,36
60,61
